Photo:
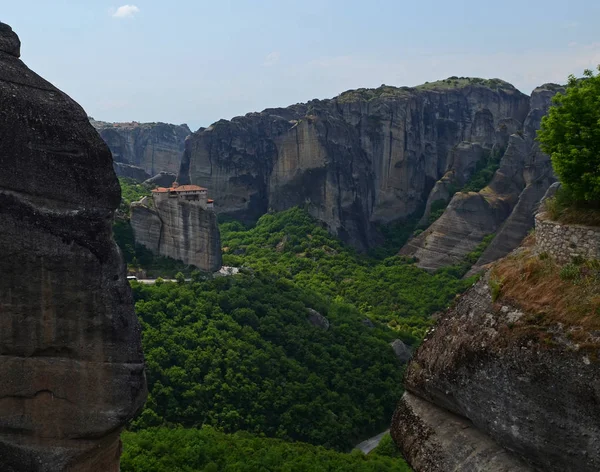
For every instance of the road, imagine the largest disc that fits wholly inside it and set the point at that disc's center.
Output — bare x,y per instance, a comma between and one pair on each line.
153,281
370,444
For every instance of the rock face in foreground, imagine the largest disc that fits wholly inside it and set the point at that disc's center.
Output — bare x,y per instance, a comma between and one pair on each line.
180,230
524,381
435,440
364,157
71,365
151,147
505,207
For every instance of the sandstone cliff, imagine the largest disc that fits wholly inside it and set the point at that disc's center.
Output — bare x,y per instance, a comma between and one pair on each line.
71,360
505,207
364,157
180,230
509,379
151,147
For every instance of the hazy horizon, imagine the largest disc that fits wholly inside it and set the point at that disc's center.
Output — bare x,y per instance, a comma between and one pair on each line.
198,62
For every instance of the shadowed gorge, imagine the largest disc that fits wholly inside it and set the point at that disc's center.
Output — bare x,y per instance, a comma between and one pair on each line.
70,354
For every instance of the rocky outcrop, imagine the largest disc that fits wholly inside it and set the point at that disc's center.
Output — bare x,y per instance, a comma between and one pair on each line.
505,207
317,319
152,147
435,440
71,361
364,157
162,179
402,351
130,172
525,385
180,230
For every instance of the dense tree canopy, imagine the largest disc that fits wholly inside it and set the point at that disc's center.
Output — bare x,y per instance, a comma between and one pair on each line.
208,450
570,133
239,353
291,245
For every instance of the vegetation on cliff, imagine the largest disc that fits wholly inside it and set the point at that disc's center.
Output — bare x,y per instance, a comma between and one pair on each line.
390,91
550,293
208,450
570,133
131,191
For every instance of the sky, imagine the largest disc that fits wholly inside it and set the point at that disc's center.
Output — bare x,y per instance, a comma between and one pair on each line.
197,61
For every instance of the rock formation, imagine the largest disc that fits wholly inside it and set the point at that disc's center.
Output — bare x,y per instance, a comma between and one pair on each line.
402,351
508,379
367,156
131,172
505,207
71,360
151,147
162,179
181,230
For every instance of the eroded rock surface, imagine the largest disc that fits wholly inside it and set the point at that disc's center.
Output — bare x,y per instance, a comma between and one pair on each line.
181,230
364,157
506,207
152,147
435,440
71,361
517,378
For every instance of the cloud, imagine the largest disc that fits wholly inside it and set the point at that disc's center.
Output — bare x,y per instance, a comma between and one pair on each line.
272,59
125,11
570,25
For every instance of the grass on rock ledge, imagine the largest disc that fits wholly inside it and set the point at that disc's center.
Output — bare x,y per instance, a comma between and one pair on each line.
549,293
563,208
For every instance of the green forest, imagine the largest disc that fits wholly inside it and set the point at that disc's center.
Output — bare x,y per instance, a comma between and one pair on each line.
208,450
239,353
239,362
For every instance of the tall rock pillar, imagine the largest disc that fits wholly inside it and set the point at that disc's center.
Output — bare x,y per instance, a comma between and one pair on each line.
71,363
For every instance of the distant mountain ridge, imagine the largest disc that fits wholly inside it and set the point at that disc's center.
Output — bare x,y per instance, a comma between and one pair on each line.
367,156
143,150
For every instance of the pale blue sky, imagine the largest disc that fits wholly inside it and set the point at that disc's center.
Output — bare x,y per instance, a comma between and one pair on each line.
195,61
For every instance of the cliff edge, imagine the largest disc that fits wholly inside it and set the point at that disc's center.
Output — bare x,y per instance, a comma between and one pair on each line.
365,157
71,361
183,230
509,378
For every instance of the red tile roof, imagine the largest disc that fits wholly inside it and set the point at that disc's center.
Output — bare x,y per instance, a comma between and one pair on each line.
180,188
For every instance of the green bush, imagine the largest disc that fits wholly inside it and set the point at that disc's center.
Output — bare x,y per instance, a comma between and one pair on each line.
569,272
386,447
484,171
565,208
570,134
496,288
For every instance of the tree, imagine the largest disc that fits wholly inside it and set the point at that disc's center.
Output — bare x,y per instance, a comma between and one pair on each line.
570,134
180,278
